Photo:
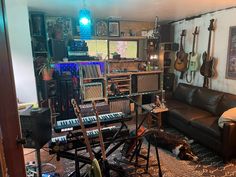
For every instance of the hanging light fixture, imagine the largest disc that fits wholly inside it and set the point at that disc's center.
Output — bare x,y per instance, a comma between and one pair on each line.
85,23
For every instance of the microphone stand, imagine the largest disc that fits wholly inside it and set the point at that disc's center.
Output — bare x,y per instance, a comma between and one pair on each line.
114,89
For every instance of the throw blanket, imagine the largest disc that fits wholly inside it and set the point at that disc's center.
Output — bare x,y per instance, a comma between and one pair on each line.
227,116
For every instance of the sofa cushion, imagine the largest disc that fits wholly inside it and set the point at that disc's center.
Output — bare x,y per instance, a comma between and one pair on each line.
228,101
207,99
208,124
184,93
175,104
188,113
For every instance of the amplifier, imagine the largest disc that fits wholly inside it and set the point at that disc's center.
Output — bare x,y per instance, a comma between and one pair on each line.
93,91
36,127
145,83
120,105
87,109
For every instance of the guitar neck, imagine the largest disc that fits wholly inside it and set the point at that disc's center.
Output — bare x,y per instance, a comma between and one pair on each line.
209,47
99,132
193,52
181,44
79,116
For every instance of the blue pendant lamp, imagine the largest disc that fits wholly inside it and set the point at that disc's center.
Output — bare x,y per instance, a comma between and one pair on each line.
85,24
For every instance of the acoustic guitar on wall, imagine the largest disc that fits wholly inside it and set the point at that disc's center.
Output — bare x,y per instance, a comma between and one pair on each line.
181,62
206,69
194,59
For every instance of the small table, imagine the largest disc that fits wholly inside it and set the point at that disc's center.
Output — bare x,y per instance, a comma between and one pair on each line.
157,111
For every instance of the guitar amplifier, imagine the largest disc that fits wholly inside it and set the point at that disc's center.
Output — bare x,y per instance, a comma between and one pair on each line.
145,83
120,105
93,91
87,109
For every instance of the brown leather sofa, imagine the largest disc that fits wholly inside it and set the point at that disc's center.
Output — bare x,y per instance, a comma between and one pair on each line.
195,111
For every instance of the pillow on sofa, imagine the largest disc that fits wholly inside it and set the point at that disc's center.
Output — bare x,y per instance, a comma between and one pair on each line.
227,116
207,99
184,93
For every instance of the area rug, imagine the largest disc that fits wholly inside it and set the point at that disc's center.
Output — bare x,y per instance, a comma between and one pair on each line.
210,164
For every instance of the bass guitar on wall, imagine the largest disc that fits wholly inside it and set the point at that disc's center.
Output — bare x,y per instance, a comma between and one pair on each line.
206,69
194,58
181,62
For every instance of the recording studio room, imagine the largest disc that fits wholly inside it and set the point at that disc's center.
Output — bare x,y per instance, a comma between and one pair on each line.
117,88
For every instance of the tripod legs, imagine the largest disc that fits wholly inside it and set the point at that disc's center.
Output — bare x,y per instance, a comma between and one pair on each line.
157,154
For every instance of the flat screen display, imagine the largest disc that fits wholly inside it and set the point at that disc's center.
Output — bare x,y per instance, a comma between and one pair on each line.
126,49
97,48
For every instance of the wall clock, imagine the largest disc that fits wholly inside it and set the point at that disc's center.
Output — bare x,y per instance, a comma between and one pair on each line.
101,28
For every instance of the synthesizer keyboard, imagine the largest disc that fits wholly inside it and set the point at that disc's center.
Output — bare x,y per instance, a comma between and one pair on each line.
76,140
90,121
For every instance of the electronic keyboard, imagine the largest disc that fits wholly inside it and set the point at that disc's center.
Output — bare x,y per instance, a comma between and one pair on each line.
90,121
76,140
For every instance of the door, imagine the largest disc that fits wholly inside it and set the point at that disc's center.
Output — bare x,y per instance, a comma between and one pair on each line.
9,120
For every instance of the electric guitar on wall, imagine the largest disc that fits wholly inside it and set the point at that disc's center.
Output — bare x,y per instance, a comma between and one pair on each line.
181,62
206,69
194,58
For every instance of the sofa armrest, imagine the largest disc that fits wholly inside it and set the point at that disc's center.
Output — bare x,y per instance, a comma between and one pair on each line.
229,139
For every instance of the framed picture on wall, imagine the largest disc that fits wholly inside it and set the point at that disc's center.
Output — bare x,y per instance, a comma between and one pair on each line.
231,58
114,28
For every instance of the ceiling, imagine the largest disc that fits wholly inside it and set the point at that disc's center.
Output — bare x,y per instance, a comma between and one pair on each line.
138,10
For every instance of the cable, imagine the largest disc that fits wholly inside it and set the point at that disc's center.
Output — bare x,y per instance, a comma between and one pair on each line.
29,153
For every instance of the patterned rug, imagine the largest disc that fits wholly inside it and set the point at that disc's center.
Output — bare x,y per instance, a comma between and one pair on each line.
210,164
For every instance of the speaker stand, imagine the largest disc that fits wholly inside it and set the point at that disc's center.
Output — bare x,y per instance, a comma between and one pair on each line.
38,158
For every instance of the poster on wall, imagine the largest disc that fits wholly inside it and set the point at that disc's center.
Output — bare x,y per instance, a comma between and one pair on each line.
231,59
59,27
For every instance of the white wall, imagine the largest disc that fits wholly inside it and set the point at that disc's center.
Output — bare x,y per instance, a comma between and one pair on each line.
224,19
20,44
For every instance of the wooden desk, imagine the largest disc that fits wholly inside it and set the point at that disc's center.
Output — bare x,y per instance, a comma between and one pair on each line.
156,111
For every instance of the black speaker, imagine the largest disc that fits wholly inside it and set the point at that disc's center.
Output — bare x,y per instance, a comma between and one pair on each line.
49,89
36,127
57,49
167,33
66,93
168,82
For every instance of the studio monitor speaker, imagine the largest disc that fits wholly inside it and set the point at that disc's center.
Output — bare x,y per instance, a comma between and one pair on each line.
168,82
49,89
36,127
57,49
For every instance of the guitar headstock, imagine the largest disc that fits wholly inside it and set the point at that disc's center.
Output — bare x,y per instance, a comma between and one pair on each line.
211,26
75,106
196,31
94,105
183,33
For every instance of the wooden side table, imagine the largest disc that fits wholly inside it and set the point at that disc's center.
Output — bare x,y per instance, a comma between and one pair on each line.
157,111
